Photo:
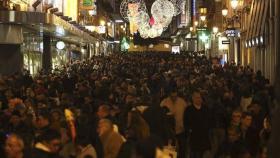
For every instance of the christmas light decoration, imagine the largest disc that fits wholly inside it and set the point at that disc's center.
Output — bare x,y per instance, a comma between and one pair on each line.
162,12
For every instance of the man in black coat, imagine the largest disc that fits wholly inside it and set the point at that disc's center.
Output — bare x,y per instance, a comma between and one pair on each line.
197,123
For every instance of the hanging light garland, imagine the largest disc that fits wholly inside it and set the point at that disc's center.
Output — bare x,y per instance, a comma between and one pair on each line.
135,12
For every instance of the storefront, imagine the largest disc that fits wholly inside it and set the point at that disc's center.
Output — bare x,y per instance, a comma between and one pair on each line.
36,34
260,39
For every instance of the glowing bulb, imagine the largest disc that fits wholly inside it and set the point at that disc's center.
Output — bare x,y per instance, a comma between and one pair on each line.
215,29
234,4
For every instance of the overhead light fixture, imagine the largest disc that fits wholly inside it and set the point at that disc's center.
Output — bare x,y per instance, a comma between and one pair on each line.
102,22
234,4
191,29
225,12
203,17
257,41
261,39
60,45
215,29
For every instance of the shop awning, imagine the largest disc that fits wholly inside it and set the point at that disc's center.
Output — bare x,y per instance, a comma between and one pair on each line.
45,23
257,19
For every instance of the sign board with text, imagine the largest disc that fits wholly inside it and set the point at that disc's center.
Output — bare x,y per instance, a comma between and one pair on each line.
231,32
226,42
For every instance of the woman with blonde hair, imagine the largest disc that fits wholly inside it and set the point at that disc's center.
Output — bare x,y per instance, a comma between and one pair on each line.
14,147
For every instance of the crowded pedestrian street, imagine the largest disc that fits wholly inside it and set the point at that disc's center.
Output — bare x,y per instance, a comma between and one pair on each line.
139,79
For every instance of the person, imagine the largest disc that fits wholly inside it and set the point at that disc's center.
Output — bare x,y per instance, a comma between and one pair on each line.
48,146
235,119
137,129
265,132
197,122
14,147
248,133
137,125
85,148
111,140
232,145
103,112
177,106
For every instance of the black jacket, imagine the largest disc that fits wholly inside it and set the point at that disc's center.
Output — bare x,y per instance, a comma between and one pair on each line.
197,124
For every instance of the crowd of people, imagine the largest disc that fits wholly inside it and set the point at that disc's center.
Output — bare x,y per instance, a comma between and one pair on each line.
137,106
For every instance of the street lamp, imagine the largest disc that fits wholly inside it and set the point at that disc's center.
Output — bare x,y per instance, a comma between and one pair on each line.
225,12
203,18
102,22
234,4
215,29
191,29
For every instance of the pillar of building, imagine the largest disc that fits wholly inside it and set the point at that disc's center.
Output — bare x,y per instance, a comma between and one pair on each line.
46,59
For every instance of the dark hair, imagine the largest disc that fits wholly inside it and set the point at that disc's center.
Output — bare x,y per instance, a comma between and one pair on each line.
49,135
245,114
45,114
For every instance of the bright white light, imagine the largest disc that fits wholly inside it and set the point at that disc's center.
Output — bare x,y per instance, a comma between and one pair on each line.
135,46
90,28
203,37
41,46
117,41
202,17
118,21
151,46
207,46
250,45
92,12
97,44
253,42
188,36
196,23
261,39
257,41
246,44
175,49
102,22
60,45
191,29
215,29
225,12
234,4
181,45
108,24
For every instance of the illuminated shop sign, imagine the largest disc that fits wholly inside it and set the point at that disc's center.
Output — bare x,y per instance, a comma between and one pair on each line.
232,32
87,2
